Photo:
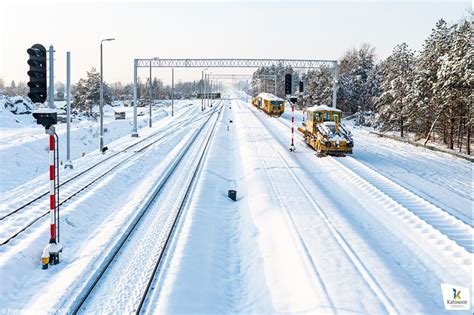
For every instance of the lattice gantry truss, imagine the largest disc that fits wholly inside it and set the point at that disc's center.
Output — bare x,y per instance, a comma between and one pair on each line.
234,63
225,63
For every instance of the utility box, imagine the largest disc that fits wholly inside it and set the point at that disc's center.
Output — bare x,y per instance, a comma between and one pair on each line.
232,194
46,117
119,115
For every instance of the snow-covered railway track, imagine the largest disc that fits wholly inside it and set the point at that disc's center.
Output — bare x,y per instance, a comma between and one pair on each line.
344,245
125,277
14,223
401,200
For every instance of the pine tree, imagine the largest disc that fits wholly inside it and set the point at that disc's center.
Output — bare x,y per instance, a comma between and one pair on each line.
427,96
88,92
318,86
393,106
455,83
355,70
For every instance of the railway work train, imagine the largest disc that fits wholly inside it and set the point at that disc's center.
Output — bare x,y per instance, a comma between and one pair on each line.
325,133
269,103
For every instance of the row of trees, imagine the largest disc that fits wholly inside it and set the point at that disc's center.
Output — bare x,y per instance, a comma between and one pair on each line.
86,92
263,79
427,93
430,92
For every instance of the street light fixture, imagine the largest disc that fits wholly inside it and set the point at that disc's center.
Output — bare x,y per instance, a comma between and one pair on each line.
101,107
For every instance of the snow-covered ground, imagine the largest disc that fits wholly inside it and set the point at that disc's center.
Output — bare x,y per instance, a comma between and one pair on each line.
440,178
90,223
306,234
24,145
372,233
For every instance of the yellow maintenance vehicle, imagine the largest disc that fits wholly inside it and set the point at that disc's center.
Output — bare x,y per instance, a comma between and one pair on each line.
325,133
269,103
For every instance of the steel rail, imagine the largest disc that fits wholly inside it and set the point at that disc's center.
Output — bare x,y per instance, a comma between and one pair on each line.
30,223
76,307
176,219
90,168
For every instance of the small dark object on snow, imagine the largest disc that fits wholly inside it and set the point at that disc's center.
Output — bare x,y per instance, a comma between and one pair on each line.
232,194
230,120
104,149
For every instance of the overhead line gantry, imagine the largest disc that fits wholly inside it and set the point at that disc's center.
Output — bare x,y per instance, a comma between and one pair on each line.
225,63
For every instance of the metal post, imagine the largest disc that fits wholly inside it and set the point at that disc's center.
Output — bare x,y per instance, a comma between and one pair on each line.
172,91
149,120
52,188
334,89
135,78
207,90
51,251
68,163
51,77
292,145
101,105
202,90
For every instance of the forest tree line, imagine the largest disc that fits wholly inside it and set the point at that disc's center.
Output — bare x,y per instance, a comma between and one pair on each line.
427,93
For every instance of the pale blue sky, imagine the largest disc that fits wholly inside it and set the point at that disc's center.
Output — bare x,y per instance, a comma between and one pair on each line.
319,30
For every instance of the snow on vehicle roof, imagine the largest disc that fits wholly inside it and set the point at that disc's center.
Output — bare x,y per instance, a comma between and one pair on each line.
269,96
316,108
45,111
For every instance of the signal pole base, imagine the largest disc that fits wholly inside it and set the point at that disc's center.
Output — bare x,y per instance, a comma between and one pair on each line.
68,164
51,255
134,134
292,148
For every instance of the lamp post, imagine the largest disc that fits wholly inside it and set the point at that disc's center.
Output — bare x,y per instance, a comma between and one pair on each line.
101,107
202,90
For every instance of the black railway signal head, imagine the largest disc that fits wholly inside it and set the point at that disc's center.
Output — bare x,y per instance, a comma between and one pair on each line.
301,87
37,73
288,84
46,117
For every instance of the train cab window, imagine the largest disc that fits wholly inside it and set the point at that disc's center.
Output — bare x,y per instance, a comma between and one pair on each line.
317,117
335,117
327,116
309,117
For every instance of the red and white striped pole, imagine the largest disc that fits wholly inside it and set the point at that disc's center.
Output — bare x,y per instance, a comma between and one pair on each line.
51,251
52,192
292,145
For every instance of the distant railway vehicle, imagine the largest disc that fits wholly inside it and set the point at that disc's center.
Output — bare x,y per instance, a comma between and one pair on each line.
119,115
324,131
269,103
214,95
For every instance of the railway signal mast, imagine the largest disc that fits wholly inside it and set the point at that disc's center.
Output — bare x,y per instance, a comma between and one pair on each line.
292,100
301,92
48,118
